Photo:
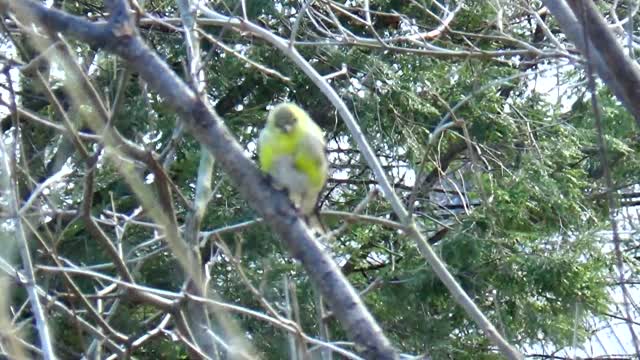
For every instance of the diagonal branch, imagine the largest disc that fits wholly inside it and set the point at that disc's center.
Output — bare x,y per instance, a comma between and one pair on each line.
120,36
617,70
412,229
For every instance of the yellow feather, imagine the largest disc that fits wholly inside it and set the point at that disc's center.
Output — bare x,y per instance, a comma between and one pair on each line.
291,149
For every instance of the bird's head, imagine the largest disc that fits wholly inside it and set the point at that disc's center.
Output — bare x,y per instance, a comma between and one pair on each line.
285,117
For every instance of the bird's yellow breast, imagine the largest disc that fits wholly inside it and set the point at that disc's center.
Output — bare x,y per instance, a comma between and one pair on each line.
293,154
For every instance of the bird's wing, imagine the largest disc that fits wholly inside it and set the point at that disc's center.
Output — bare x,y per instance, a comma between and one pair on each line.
265,153
311,158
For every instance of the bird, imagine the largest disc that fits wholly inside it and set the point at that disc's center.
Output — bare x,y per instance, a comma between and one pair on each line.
292,151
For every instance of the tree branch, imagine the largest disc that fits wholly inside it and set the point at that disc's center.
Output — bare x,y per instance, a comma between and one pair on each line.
120,37
620,73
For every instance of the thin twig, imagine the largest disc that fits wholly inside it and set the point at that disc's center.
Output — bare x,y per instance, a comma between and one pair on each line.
44,335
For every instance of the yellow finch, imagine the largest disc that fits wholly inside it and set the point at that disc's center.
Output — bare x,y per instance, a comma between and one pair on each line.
291,149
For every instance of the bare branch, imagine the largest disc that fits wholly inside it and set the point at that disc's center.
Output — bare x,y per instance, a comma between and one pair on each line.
620,73
20,236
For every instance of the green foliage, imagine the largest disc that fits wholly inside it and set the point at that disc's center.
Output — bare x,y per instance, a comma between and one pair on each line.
520,205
